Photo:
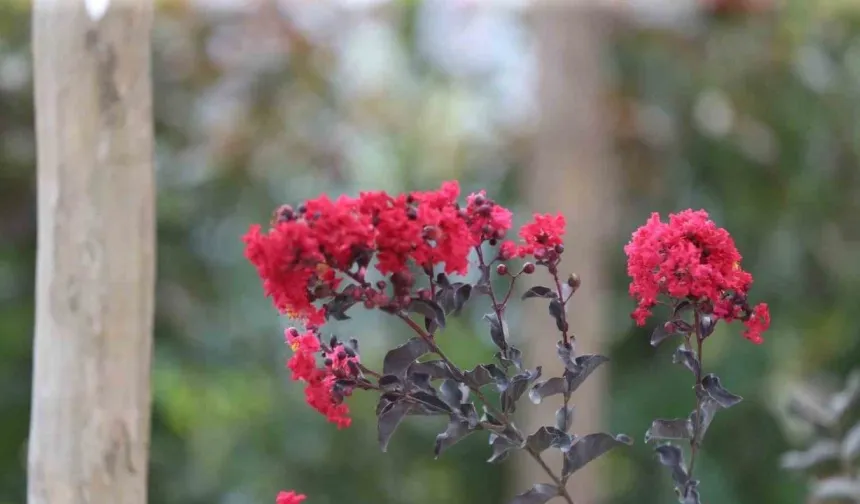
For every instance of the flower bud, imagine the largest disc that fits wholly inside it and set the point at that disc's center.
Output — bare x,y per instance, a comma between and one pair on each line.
284,213
502,269
573,281
431,233
528,268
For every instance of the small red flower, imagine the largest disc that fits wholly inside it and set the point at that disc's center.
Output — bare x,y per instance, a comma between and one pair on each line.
290,497
545,230
487,219
690,258
508,250
322,391
758,322
541,238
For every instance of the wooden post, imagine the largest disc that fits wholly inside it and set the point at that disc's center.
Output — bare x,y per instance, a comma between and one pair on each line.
572,173
89,432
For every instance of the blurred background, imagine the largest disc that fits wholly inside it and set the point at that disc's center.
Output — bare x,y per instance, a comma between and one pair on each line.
747,109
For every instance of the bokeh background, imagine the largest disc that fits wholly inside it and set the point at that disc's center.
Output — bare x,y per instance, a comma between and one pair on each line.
750,112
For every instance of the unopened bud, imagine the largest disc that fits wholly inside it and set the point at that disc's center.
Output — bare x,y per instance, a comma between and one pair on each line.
502,269
431,233
573,281
528,268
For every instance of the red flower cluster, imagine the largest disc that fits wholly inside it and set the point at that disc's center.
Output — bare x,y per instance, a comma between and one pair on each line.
541,238
690,258
290,497
307,252
324,389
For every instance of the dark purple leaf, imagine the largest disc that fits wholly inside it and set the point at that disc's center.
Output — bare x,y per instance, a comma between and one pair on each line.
547,388
398,360
390,383
501,447
686,358
711,384
678,428
337,307
708,409
540,291
514,356
431,401
462,293
442,280
435,369
388,421
588,448
547,437
453,393
581,369
671,456
498,330
457,430
420,381
565,352
353,343
479,376
538,494
564,418
682,326
658,335
385,402
681,308
690,493
556,310
429,309
516,387
470,415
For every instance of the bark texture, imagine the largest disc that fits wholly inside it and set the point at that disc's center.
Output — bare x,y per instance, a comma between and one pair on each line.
573,173
89,433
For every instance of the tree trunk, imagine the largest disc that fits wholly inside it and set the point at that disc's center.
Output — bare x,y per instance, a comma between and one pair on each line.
89,432
572,173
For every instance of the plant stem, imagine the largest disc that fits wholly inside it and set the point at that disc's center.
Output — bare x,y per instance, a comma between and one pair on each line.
698,423
555,479
460,376
563,302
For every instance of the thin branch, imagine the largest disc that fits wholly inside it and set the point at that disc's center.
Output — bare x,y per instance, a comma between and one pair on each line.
460,376
698,423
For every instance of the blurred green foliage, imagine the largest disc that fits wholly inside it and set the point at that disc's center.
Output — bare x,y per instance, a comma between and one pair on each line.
752,119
